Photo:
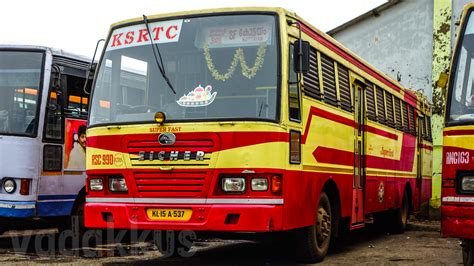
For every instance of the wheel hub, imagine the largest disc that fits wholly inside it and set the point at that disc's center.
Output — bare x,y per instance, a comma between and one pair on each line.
323,228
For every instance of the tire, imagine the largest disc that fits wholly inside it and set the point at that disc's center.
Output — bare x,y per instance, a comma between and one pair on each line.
76,221
313,242
468,252
400,216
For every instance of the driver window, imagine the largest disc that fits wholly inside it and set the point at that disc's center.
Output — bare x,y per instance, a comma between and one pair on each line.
53,127
469,97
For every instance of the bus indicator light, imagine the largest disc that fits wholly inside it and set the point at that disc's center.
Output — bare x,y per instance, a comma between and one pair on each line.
25,187
276,184
448,183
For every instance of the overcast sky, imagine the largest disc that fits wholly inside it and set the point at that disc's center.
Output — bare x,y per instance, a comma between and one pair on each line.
75,26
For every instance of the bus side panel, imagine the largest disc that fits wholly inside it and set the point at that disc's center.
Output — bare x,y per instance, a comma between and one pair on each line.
457,210
58,193
302,193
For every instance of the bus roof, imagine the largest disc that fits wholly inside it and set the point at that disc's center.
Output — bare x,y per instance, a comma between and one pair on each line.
282,11
54,51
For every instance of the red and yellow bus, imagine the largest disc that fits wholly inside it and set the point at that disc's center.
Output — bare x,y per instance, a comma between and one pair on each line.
223,120
457,208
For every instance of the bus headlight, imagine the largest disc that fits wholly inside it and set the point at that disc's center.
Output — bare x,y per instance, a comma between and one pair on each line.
233,184
9,185
117,184
467,183
96,184
259,184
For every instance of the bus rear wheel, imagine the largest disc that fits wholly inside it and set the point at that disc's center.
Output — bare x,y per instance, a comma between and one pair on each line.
400,216
468,252
313,242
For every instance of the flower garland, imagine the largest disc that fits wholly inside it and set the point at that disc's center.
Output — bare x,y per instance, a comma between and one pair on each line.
248,72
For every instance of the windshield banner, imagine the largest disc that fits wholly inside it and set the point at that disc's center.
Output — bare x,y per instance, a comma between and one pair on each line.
237,35
137,35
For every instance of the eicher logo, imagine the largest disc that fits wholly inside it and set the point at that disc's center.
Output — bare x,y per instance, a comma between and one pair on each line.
167,138
458,157
161,32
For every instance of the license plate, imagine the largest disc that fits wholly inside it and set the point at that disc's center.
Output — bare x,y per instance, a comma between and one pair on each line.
169,214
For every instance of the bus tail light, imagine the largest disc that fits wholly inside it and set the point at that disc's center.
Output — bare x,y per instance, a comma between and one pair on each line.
117,184
96,184
25,187
448,183
276,184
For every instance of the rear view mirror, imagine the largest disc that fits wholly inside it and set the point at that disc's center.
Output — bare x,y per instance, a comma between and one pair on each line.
301,56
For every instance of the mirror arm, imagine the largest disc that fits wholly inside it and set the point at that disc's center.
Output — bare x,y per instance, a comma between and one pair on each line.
89,70
300,44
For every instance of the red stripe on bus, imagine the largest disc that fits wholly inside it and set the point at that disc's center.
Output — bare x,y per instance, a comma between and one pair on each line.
314,111
229,140
458,132
412,100
426,147
381,132
340,157
232,140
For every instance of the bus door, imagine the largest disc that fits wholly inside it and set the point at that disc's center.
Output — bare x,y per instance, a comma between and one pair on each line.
419,157
359,157
64,138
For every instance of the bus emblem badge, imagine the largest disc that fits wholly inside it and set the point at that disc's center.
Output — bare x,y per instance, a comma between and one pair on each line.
167,138
381,191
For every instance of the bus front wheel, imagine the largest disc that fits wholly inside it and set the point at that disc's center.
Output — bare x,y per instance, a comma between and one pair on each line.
468,252
313,242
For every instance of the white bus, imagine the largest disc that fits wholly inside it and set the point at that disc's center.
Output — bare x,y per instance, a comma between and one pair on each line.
43,113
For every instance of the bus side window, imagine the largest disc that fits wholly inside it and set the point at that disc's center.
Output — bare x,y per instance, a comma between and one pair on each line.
54,108
293,90
77,99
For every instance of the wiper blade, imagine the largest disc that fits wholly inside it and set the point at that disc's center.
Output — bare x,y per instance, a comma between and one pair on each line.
159,62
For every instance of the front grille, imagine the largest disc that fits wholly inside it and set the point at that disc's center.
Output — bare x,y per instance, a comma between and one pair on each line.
178,170
170,183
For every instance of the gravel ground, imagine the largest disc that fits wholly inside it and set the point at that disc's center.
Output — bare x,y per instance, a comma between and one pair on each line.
420,245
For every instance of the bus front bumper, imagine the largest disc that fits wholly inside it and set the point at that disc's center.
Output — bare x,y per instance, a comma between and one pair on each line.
457,221
204,217
17,209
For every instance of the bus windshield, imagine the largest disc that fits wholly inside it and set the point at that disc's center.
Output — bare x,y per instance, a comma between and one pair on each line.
20,77
222,68
461,107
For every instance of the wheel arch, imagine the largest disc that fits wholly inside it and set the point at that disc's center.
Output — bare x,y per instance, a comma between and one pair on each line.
332,191
80,199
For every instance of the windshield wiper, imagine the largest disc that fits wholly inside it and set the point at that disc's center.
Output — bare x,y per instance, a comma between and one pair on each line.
161,66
